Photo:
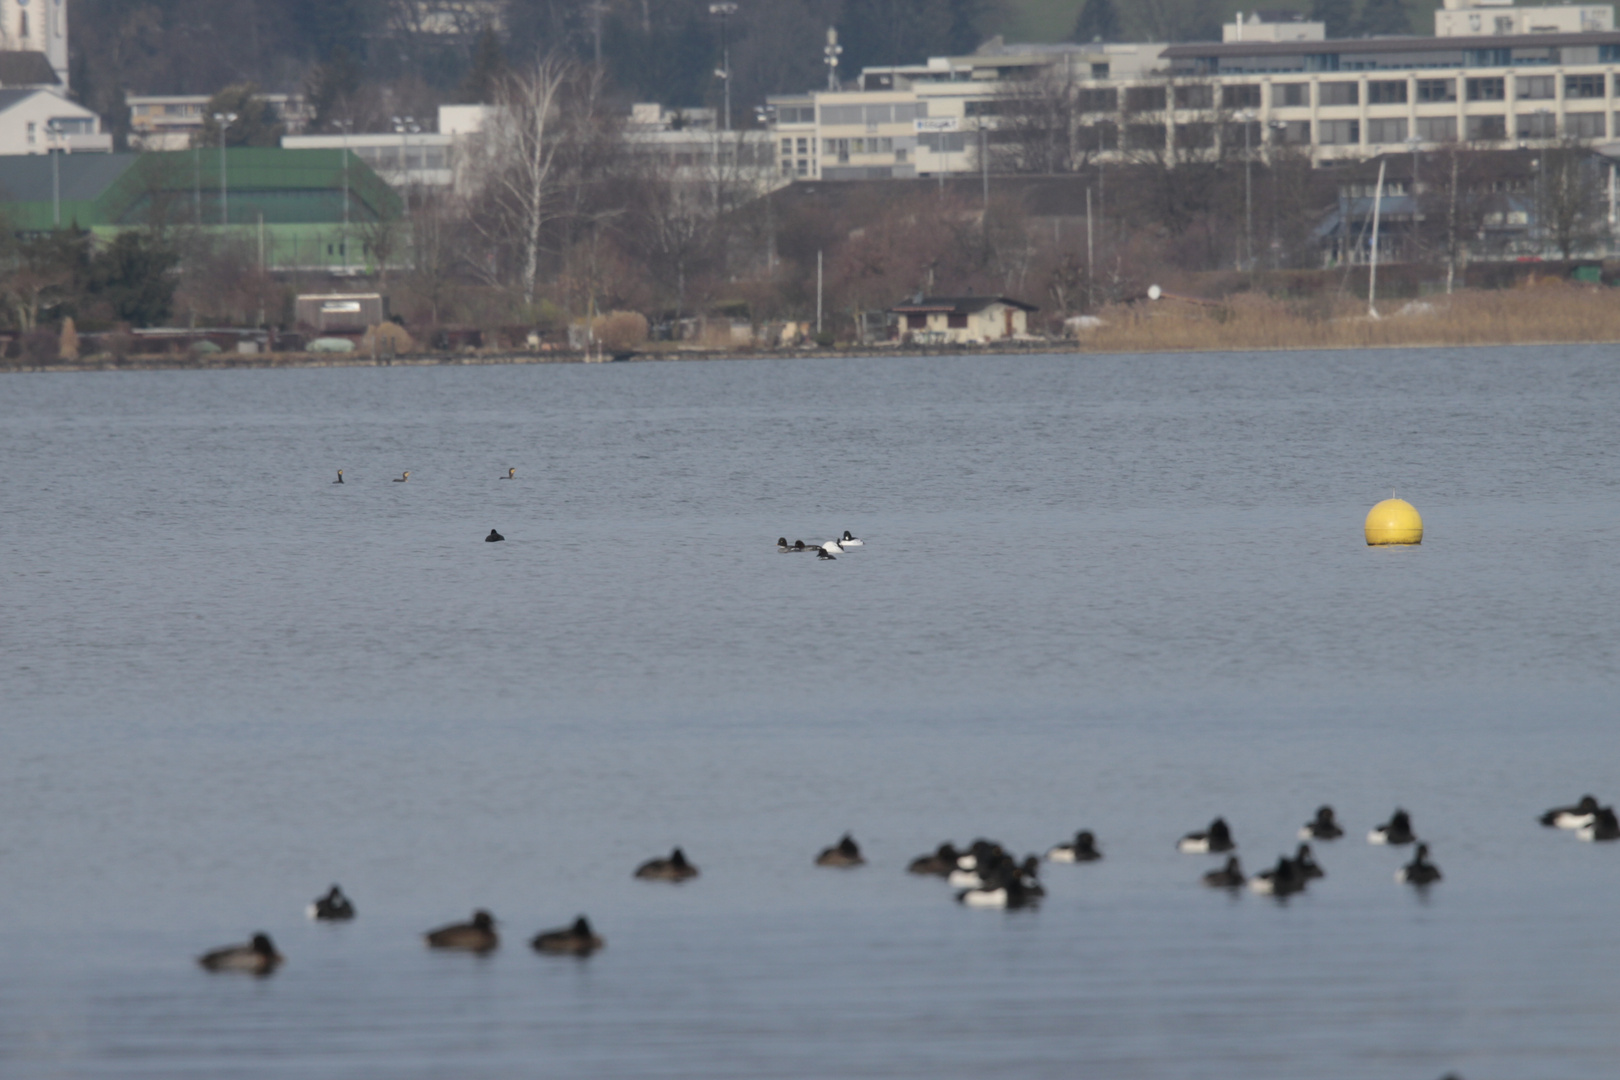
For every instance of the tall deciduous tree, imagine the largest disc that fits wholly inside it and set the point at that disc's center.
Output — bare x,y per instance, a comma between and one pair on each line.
1098,21
1383,17
521,177
1337,15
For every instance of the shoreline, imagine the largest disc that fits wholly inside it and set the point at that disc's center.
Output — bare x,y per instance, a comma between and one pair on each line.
270,361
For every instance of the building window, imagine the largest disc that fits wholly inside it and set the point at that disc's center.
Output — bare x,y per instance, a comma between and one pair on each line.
956,320
1337,93
1586,125
1492,89
1195,136
22,25
1290,95
1437,89
1539,125
1144,136
30,133
1240,97
1386,93
1583,86
787,146
1095,137
1197,96
1144,98
916,321
1384,132
1437,128
1534,87
804,145
1487,128
1097,100
1338,132
1295,132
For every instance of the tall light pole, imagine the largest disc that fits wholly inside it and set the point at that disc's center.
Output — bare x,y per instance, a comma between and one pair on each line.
345,126
53,147
1248,188
830,57
725,11
404,127
224,121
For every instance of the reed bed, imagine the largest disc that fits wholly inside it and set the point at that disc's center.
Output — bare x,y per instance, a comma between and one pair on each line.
1533,315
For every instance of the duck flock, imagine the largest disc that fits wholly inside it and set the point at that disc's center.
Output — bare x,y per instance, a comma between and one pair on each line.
983,874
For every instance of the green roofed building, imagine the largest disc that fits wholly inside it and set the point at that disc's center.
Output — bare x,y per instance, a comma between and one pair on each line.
293,199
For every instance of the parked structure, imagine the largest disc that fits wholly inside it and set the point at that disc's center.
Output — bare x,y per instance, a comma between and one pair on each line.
961,320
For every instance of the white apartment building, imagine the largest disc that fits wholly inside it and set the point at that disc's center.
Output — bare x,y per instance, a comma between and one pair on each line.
1276,82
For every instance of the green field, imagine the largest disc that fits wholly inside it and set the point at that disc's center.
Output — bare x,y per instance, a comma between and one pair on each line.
1051,20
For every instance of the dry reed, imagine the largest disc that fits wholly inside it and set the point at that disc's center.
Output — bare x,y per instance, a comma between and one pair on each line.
1546,313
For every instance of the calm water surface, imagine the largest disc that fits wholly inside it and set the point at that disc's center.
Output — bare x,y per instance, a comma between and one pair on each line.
1120,593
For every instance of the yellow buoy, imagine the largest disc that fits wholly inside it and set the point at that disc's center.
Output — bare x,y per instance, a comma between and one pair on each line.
1394,521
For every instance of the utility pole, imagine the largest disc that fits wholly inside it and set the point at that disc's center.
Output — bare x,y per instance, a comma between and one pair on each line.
224,120
725,11
1372,274
818,292
1091,260
1248,190
345,126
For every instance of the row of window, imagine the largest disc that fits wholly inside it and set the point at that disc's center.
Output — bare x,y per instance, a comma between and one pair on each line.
1381,92
903,113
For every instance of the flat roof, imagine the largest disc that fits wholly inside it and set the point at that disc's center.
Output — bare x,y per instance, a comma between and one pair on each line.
1389,44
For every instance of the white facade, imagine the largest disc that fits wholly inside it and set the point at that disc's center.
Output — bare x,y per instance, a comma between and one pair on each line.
39,122
168,121
1476,18
1255,27
37,26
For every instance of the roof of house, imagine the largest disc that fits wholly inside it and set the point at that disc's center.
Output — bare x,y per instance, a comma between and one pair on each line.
18,68
284,186
957,305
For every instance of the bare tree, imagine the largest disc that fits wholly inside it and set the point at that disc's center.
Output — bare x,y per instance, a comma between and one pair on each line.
1567,196
521,166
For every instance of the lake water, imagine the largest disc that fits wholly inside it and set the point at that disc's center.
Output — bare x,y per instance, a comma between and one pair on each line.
1118,593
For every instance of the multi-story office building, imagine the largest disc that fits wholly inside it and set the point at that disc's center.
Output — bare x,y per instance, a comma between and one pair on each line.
1272,83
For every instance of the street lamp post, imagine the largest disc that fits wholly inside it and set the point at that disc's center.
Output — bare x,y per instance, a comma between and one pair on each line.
53,146
1279,129
405,127
725,11
1248,188
224,120
345,126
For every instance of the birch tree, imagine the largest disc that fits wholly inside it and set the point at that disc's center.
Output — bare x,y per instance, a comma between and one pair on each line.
521,175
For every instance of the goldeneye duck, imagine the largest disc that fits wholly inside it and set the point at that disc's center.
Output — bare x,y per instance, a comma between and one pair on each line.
1229,876
823,553
334,906
844,853
1010,893
1082,849
848,540
782,544
257,957
1216,838
832,547
1322,827
477,936
1420,871
576,940
1305,862
1571,817
1397,830
674,868
1284,879
493,537
1603,826
939,864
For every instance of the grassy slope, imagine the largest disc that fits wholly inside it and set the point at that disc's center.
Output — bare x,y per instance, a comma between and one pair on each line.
1051,20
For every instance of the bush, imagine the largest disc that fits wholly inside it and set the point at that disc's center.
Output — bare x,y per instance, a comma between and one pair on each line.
825,339
619,331
40,347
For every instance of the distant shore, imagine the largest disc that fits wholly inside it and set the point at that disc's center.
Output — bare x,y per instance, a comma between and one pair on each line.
1243,323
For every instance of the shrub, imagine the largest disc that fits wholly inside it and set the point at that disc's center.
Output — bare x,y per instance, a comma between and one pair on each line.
620,330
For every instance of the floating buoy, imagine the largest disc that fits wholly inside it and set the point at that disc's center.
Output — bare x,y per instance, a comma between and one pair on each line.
1394,521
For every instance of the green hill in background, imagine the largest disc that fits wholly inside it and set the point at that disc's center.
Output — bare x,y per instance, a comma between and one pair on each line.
1051,20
